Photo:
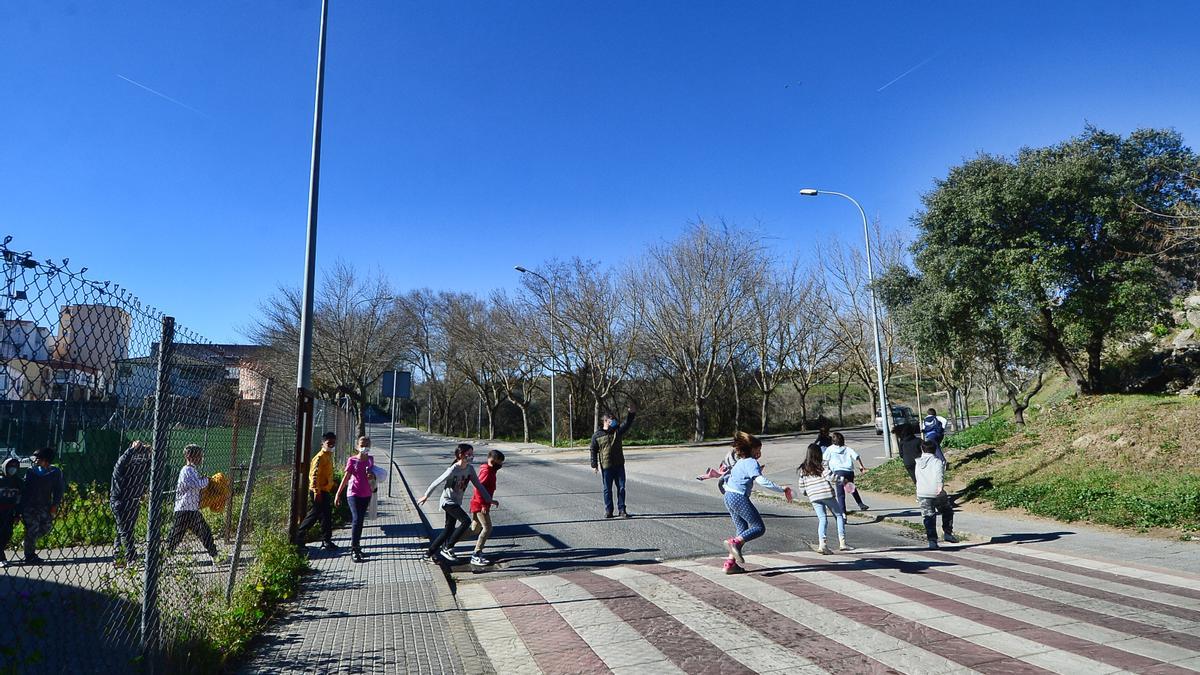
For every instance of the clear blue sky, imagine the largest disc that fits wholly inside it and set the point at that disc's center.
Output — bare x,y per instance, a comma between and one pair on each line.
463,138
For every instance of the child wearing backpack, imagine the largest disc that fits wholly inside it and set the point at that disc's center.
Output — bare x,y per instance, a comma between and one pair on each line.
812,477
933,428
747,522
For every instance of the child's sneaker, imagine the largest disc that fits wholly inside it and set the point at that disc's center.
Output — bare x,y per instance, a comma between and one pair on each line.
735,549
480,561
448,555
731,567
843,546
933,545
949,538
823,549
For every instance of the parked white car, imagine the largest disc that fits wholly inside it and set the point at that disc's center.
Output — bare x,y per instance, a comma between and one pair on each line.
900,415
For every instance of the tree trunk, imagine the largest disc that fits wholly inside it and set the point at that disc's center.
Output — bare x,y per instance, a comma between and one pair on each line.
803,409
491,422
595,414
698,434
1095,348
1053,343
737,402
525,421
766,405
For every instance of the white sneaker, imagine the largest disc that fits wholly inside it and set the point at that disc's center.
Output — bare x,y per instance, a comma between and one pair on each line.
448,555
480,561
823,549
843,546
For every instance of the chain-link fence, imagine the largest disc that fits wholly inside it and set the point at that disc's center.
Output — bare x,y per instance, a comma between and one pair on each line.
144,470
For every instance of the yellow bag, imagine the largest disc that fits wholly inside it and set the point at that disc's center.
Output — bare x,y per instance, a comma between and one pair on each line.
215,495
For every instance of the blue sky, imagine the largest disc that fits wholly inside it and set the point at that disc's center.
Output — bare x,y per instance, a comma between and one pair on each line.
463,138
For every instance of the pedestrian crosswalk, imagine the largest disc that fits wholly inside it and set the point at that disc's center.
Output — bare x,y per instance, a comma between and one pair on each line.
993,609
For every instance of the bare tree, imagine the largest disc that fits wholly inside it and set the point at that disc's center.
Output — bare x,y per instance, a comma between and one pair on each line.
513,355
813,347
773,338
693,294
596,327
357,333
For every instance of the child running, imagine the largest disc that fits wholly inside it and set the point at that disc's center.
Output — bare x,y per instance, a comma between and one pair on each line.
454,482
840,461
746,520
814,480
481,512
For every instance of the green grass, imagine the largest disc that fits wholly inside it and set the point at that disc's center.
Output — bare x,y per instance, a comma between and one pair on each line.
887,477
1098,495
994,429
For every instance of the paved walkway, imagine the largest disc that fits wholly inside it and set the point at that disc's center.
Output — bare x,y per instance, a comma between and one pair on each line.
392,614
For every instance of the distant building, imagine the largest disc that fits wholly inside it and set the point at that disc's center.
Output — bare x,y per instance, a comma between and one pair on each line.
197,367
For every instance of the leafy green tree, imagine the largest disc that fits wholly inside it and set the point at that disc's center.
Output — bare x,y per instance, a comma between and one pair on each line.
1064,247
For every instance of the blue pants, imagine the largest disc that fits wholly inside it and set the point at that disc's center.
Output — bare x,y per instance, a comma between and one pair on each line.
610,476
839,491
358,513
746,521
830,504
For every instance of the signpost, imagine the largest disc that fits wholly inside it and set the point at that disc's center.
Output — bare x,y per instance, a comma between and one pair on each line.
397,384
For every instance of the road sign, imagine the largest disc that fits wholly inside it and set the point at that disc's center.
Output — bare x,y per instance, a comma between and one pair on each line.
403,384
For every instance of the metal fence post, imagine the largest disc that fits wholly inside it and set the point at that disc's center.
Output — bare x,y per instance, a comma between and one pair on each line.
233,450
151,624
241,529
304,436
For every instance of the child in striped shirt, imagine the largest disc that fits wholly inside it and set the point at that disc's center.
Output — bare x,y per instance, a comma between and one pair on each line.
814,480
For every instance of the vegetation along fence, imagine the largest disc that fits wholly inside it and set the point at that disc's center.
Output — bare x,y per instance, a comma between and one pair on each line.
103,581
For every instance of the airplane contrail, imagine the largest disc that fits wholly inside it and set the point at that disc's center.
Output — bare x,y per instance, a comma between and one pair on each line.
160,94
904,74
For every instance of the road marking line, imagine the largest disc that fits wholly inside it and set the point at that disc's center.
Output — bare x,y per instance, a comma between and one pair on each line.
495,632
1008,644
755,651
890,651
614,641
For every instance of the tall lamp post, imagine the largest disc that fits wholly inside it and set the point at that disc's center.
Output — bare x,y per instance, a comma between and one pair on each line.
880,385
553,426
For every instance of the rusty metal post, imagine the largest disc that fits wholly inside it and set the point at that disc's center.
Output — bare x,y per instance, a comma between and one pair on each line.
233,451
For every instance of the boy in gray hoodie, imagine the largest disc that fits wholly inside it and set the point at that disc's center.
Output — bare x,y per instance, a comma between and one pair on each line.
931,493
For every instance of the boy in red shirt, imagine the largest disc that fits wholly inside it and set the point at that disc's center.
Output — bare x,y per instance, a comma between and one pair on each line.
481,511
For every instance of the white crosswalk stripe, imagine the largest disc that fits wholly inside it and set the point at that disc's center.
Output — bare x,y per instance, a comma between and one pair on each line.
1010,645
613,640
755,651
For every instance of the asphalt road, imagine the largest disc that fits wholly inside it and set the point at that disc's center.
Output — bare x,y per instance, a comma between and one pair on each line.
550,517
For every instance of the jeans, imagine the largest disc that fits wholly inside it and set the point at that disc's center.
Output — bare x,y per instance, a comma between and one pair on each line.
746,519
321,510
610,476
830,504
457,522
37,521
190,521
358,513
126,513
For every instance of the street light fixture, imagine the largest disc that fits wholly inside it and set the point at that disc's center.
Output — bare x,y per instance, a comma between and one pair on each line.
553,425
885,418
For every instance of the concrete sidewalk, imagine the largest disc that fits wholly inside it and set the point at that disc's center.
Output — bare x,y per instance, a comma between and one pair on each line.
394,613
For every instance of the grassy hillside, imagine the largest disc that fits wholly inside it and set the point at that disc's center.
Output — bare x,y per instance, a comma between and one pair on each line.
1123,460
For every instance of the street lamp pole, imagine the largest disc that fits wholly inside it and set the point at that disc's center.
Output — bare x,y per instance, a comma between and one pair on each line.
880,385
304,368
553,424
